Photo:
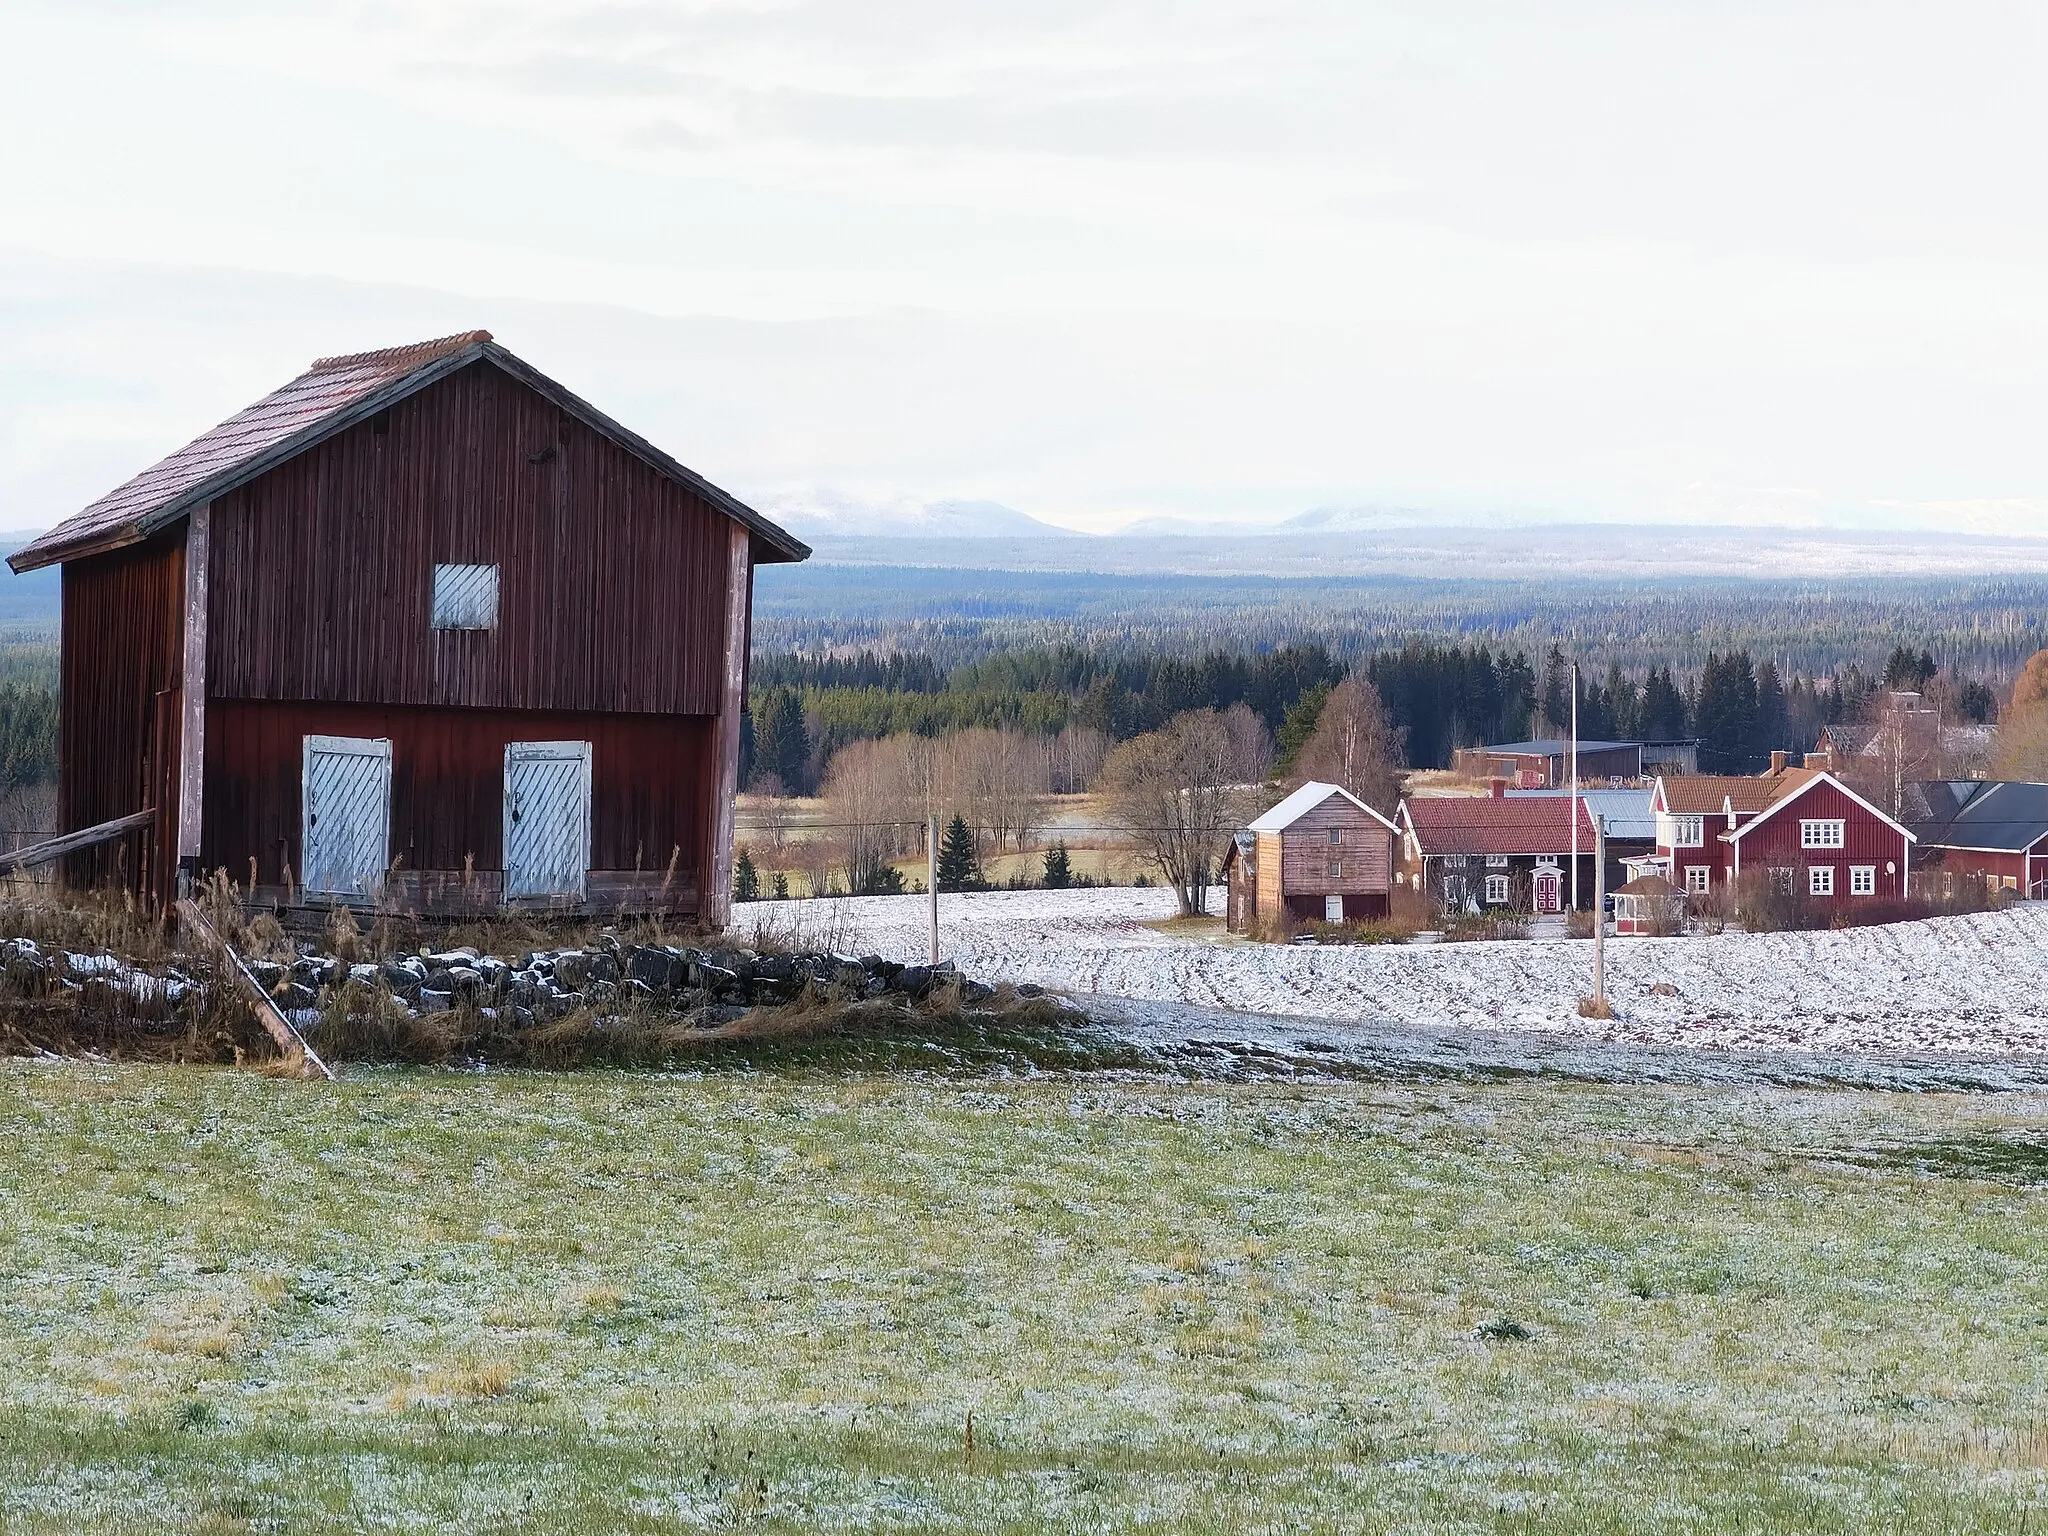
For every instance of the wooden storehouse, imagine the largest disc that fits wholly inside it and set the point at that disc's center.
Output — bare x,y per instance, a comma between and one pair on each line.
1320,854
421,629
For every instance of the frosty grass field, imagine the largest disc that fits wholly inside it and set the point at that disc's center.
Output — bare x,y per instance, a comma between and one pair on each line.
1977,985
768,1297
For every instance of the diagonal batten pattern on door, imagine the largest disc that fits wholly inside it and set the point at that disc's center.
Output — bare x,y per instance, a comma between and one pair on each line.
347,815
547,818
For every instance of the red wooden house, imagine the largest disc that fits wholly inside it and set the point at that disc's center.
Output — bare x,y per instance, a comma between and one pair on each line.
1470,852
1811,833
420,627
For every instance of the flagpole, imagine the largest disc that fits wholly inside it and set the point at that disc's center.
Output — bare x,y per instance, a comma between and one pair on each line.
1575,788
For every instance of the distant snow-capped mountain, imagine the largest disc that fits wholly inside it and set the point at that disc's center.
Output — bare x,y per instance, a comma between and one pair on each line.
828,514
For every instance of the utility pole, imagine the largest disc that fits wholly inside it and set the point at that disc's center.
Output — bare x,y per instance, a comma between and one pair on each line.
1575,786
931,877
1599,907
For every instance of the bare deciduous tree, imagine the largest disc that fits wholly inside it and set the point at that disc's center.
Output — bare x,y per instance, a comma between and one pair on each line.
1356,746
1251,744
1073,758
1179,793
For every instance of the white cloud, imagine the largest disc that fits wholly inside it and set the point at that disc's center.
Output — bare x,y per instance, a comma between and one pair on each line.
1217,260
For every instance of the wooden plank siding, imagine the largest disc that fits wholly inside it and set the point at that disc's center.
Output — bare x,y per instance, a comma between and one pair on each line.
613,578
651,785
1365,856
119,725
1867,839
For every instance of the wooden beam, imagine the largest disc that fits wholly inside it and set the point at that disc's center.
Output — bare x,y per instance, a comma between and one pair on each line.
739,591
72,842
192,739
268,1014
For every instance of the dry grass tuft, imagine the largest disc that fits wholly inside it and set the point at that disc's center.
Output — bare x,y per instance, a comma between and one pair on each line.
1595,1008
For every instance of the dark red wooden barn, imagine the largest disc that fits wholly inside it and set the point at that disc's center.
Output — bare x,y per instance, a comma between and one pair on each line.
420,629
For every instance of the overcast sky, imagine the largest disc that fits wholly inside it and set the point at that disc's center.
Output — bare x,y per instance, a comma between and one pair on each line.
1724,262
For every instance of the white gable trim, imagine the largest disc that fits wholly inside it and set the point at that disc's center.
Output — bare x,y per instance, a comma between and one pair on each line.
1822,777
1306,799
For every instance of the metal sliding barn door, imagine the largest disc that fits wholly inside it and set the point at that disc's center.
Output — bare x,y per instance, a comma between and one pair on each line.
347,816
547,818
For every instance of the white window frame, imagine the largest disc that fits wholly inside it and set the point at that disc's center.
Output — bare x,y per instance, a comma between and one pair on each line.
1820,879
1821,833
1699,879
1688,831
1496,884
1336,836
1496,861
465,597
1862,879
1336,869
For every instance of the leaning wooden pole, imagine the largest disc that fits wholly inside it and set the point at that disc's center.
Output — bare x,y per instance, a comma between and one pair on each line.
931,873
273,1018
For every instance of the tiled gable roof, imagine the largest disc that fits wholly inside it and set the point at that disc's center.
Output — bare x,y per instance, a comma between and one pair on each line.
1483,824
1709,794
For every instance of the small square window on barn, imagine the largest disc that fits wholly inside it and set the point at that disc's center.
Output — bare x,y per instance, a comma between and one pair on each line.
1862,879
1820,880
465,597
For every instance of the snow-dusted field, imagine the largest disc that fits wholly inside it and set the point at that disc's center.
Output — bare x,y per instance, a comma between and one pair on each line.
1965,984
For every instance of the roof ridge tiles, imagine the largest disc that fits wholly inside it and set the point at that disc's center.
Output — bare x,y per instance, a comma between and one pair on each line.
410,353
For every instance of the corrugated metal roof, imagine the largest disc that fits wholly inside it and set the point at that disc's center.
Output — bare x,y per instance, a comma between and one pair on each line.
331,395
2000,816
1483,824
1627,810
1555,747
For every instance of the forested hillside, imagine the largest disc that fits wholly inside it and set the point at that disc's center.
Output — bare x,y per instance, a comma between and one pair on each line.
1980,627
803,710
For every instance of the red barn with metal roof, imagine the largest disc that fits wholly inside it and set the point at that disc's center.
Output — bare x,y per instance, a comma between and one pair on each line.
421,628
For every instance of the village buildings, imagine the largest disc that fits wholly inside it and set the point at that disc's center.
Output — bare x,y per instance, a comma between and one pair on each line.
420,627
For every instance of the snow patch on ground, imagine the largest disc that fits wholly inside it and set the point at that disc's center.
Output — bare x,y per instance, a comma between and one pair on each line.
1976,985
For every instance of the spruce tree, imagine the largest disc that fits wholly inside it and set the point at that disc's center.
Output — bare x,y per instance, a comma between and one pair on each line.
958,865
781,886
746,880
1059,870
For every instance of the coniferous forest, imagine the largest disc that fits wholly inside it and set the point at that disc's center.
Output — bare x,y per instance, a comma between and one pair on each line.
1441,696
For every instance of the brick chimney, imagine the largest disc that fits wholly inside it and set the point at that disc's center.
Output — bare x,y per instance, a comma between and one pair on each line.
1778,762
1497,788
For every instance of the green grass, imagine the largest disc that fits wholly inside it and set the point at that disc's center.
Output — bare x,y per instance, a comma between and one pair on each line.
608,1302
